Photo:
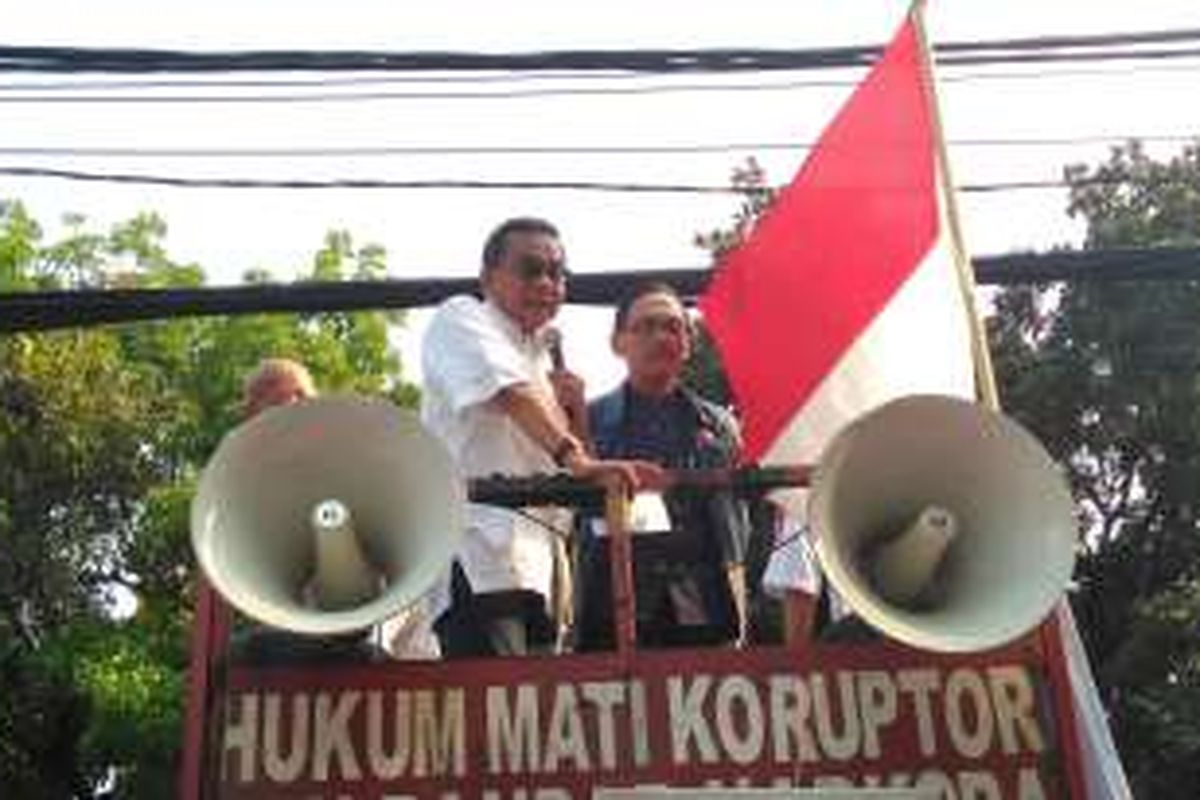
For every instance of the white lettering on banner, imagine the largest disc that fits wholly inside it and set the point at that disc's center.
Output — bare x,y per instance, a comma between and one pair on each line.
877,699
967,785
439,745
921,683
978,786
686,715
565,740
512,735
961,684
791,710
639,723
278,768
846,721
388,765
330,736
843,746
1012,695
738,693
242,737
605,696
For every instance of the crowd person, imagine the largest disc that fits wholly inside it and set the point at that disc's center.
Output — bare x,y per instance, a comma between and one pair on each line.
494,396
275,382
689,581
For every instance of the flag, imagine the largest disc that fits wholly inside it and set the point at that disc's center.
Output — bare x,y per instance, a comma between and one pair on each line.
845,294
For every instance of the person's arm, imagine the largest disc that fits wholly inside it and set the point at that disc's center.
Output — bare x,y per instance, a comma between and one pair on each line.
569,392
531,410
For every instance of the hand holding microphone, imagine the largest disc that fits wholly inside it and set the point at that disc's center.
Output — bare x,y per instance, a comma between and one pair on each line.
568,387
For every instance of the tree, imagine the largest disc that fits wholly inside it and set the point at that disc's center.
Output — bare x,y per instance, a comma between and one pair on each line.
704,370
1108,375
102,432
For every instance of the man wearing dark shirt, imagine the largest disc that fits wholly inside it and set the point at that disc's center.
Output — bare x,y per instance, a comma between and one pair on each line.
689,581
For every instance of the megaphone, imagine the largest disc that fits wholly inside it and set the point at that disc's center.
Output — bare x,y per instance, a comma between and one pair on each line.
944,525
327,516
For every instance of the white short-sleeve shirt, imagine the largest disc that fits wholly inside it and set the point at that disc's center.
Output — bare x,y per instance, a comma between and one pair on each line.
471,351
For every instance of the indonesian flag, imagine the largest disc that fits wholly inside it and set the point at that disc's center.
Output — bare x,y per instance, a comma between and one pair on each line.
845,294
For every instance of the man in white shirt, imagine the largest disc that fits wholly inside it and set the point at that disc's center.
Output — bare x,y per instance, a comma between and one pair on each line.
493,398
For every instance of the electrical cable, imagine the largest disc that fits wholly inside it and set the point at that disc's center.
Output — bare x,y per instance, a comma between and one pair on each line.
472,184
540,150
134,60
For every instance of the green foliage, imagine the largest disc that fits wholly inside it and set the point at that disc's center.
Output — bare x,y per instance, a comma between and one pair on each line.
102,432
704,370
1108,375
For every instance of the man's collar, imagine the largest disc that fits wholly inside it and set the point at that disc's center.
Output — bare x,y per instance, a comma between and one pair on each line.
511,328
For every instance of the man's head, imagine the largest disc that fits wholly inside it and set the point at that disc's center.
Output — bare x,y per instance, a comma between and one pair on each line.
524,271
652,333
275,382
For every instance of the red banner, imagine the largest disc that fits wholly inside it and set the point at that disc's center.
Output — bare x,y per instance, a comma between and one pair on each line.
979,726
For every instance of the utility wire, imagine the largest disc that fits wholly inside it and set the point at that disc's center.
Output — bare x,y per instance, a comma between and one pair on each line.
513,94
543,77
509,150
438,183
128,60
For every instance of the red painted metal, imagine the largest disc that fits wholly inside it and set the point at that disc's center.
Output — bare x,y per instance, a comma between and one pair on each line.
620,551
210,639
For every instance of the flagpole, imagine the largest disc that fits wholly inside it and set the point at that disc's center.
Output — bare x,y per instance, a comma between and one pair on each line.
984,375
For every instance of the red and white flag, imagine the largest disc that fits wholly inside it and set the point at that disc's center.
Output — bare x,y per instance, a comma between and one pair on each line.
845,294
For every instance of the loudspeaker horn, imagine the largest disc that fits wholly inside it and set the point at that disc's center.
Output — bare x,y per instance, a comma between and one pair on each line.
327,516
944,525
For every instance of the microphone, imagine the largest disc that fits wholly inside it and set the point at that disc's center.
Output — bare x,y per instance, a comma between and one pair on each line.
554,345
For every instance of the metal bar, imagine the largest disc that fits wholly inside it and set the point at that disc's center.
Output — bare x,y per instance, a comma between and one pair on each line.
32,311
563,490
620,558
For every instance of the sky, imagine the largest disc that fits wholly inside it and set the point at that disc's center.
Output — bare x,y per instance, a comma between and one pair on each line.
439,232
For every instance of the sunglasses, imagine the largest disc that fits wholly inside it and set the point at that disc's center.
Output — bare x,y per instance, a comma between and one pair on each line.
534,268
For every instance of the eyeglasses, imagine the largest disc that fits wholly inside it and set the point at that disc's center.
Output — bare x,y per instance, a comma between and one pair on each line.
533,268
648,326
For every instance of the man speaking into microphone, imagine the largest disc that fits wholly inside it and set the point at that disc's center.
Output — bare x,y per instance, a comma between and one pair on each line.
500,398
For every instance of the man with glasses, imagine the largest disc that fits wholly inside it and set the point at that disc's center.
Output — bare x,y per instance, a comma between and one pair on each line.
493,396
689,580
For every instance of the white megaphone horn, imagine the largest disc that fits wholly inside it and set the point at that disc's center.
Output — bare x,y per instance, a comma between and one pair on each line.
944,525
327,516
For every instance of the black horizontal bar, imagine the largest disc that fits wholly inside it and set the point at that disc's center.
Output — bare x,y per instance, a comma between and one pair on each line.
61,309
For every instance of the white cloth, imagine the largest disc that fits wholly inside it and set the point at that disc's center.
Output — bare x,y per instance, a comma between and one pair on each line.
409,635
470,352
1102,771
793,566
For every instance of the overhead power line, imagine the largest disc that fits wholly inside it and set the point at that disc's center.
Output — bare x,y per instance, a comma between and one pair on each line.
33,311
57,85
94,96
373,151
508,185
1146,45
